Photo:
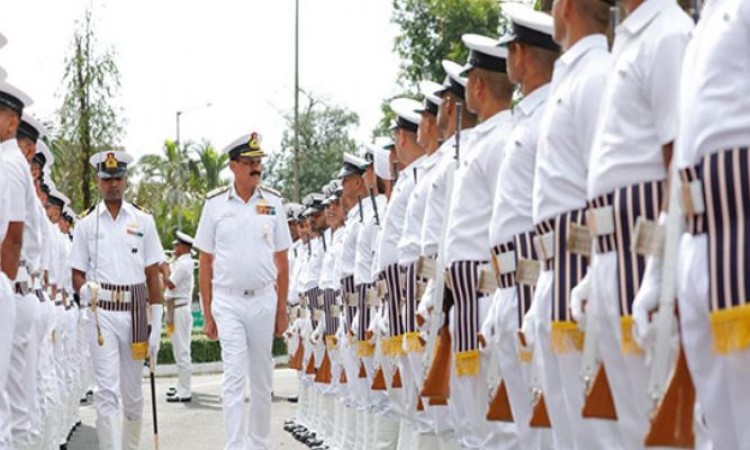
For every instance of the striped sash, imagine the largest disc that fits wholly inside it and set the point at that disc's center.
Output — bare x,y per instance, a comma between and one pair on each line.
139,320
410,313
695,223
726,186
525,250
312,303
628,204
392,278
332,321
347,286
504,280
569,269
464,276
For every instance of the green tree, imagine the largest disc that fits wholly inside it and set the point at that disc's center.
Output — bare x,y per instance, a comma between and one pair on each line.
431,30
89,118
324,135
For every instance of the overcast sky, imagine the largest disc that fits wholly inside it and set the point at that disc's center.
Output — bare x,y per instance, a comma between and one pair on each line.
237,54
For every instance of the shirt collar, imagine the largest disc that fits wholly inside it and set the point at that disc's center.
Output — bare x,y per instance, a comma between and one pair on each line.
490,123
528,104
257,192
643,14
580,48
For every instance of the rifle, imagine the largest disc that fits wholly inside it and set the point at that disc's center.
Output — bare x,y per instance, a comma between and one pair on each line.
439,293
323,240
361,213
374,206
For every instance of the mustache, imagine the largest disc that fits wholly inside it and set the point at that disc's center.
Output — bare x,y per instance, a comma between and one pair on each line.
255,173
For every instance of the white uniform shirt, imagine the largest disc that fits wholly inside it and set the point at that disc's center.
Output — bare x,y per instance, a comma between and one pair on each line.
511,211
395,216
46,255
181,275
242,238
22,201
348,250
715,96
435,207
328,278
567,127
474,189
295,259
300,267
311,277
410,244
365,260
64,246
4,199
121,250
639,108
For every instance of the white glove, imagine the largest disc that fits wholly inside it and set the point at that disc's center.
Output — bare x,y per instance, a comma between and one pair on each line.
318,333
487,329
578,296
87,292
154,339
528,327
6,290
424,308
646,302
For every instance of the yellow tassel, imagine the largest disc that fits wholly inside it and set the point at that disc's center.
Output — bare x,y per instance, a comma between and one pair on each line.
730,329
170,329
629,346
413,342
138,350
396,345
331,342
365,348
467,363
566,337
525,356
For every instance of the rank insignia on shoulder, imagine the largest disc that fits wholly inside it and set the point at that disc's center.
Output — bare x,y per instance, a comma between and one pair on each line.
217,191
270,190
141,208
88,211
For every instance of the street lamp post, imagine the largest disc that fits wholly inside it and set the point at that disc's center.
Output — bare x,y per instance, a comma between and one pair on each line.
179,163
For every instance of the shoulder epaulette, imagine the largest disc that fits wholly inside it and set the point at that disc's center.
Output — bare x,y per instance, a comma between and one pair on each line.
140,208
271,191
217,191
87,212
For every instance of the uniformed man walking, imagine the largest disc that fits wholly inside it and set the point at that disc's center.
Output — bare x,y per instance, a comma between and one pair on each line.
244,273
179,298
115,260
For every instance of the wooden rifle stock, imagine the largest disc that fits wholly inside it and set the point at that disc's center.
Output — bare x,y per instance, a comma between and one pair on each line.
396,381
299,355
437,383
362,371
324,374
378,382
672,422
599,403
539,415
499,410
310,365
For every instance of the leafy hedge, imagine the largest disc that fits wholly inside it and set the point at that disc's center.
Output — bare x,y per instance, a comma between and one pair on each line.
205,350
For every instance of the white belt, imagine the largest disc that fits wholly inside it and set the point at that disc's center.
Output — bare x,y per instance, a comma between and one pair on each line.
545,245
183,303
601,221
114,296
352,299
318,315
487,281
505,262
245,292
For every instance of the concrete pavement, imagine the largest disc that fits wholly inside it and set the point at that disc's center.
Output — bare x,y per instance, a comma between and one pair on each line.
199,424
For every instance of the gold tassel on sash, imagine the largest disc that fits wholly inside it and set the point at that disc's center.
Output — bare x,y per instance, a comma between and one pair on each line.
331,342
566,337
672,423
499,410
629,346
395,346
414,342
365,349
730,329
599,403
467,363
138,350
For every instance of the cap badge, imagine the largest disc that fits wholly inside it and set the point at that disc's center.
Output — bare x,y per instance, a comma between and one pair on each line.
111,162
254,142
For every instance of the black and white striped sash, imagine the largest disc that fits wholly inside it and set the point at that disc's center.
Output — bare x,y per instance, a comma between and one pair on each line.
410,313
569,268
695,223
347,287
464,276
525,250
392,278
312,303
628,204
364,311
332,320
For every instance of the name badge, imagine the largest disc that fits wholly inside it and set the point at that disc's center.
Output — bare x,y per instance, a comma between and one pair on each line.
134,231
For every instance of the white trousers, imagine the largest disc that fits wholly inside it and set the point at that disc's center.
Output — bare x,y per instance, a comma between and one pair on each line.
183,327
246,326
23,367
514,373
720,380
7,328
627,373
116,373
563,385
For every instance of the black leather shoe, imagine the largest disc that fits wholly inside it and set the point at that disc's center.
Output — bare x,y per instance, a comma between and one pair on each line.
293,399
176,399
314,443
171,391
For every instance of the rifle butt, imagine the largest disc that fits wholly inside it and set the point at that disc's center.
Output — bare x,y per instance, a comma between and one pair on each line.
499,409
599,403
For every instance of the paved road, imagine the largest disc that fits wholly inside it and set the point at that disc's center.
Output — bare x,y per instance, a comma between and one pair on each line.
196,425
